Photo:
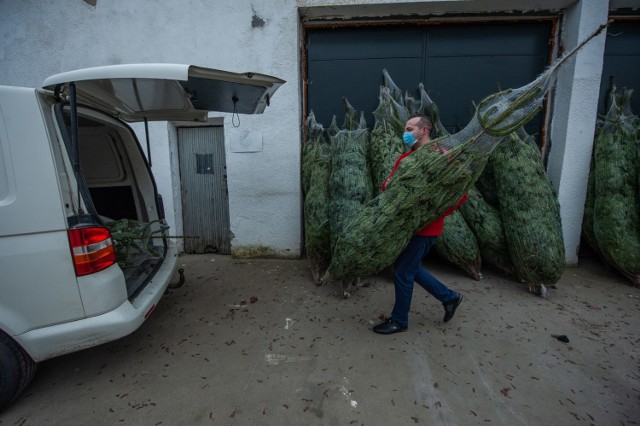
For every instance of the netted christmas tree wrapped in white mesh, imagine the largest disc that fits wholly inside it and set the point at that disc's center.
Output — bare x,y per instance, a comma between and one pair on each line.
612,209
530,214
386,138
316,170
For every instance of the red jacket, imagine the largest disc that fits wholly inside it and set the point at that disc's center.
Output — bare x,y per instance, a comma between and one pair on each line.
434,229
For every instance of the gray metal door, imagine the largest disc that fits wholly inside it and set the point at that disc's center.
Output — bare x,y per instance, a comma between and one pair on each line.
205,198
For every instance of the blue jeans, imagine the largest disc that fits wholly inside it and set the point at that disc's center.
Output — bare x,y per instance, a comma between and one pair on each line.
407,270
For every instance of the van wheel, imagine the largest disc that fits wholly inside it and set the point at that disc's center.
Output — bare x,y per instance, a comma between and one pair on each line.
16,370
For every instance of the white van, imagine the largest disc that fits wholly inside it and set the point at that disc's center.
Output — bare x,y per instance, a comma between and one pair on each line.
72,176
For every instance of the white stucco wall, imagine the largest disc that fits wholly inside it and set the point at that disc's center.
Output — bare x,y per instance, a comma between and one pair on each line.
43,38
40,38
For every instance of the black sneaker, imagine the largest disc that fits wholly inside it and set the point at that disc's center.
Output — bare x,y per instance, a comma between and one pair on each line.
450,308
389,326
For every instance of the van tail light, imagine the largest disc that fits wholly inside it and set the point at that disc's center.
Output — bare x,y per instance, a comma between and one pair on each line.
92,249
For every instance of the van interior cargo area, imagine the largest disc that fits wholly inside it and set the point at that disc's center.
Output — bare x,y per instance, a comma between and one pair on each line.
116,186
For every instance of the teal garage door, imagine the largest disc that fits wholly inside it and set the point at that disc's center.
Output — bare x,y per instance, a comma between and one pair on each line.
458,64
621,62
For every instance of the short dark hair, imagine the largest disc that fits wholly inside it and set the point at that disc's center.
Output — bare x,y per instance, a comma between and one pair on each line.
424,121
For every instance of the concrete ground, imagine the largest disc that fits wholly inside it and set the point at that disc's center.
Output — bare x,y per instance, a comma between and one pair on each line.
255,342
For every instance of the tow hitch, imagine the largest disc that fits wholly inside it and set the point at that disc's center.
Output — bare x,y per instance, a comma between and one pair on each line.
180,281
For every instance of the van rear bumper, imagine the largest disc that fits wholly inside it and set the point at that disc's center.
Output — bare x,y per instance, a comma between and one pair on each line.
60,339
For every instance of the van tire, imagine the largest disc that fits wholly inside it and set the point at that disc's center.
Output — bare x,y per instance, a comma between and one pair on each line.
16,370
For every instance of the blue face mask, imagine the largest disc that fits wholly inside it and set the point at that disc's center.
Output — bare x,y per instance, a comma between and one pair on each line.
409,139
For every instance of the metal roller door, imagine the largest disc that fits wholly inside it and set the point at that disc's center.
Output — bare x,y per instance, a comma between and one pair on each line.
457,64
621,62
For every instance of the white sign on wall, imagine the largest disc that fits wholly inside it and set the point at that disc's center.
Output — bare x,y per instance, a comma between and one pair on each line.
247,142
